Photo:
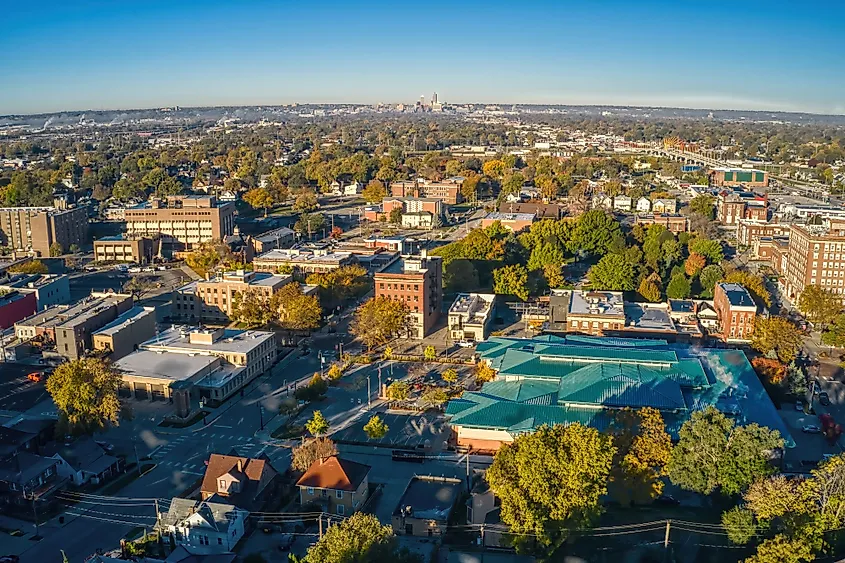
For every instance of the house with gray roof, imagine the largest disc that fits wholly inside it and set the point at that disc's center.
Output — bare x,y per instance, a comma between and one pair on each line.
83,461
202,526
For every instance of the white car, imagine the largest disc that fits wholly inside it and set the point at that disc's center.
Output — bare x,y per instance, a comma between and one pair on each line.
466,343
134,270
148,269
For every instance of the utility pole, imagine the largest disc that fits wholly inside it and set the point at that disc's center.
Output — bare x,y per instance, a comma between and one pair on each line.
261,415
137,459
378,391
369,393
35,513
320,520
666,538
468,480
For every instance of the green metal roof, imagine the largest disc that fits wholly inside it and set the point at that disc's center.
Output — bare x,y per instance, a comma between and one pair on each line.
533,392
612,341
621,385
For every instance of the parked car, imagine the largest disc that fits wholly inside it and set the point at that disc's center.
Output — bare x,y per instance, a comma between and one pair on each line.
135,270
811,429
35,376
799,406
466,343
824,398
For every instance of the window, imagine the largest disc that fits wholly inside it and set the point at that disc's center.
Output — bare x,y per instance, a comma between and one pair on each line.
341,509
339,494
310,490
219,541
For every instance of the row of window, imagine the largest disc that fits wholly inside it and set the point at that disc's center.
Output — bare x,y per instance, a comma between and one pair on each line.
399,286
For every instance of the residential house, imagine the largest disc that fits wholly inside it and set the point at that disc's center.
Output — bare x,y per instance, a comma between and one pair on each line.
248,483
25,476
643,205
665,206
426,505
622,203
84,461
205,527
338,485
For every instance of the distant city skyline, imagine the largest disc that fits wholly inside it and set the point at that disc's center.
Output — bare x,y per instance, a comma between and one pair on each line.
95,55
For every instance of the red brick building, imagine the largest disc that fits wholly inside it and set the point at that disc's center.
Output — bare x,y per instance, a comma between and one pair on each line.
15,306
736,310
448,191
749,231
416,281
674,223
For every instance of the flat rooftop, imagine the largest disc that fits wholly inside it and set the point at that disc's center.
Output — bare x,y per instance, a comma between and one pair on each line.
287,255
473,304
170,366
406,265
125,320
264,279
501,216
643,317
176,339
72,315
737,295
429,498
596,303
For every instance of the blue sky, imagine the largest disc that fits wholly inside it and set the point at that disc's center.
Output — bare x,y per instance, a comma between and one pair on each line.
69,55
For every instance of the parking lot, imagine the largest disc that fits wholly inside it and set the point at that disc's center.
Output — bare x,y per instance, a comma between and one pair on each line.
405,431
17,393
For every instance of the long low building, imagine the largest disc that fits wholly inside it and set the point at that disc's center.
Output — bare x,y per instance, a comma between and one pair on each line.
303,261
584,379
192,365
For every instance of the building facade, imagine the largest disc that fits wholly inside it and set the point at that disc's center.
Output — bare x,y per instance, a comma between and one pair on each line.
816,256
471,316
739,177
674,223
736,310
416,281
749,231
123,335
337,485
303,261
449,190
187,221
215,299
35,229
117,248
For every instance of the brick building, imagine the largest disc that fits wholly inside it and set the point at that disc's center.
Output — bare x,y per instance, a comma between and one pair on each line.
816,256
417,281
515,222
739,177
733,206
36,229
187,221
736,310
674,223
15,306
118,248
303,261
748,230
448,190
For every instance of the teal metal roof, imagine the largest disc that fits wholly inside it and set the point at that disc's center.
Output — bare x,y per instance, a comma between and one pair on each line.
606,353
532,392
610,341
621,385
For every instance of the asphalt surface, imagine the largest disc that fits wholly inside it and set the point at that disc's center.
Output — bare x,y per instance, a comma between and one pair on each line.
17,393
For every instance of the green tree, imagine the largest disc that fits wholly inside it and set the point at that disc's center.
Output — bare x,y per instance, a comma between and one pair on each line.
434,397
643,448
834,336
511,280
251,307
379,320
395,216
781,549
551,480
74,248
318,424
309,223
302,457
56,249
595,233
612,273
545,254
85,392
259,198
374,192
208,256
29,267
755,284
704,205
398,391
375,428
710,249
819,305
708,278
450,376
305,202
678,288
714,453
739,525
315,389
777,335
361,538
650,288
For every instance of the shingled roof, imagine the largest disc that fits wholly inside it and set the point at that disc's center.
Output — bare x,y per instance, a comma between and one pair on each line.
334,473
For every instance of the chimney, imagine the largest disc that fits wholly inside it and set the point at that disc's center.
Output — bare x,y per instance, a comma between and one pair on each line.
240,465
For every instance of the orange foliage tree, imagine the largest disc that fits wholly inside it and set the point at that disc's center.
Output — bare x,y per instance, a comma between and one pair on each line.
770,371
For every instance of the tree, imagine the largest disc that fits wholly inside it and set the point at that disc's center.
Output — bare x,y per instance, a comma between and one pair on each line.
494,169
650,288
739,525
643,448
434,397
294,310
553,274
309,223
484,373
259,198
709,249
781,549
796,380
450,376
56,249
74,248
778,335
755,285
334,373
336,232
460,275
819,305
595,233
375,428
138,286
398,391
379,320
85,392
340,284
318,424
29,267
511,280
361,538
551,480
306,201
315,389
708,278
318,448
251,307
374,192
429,353
770,371
713,452
395,216
678,288
704,205
834,336
695,264
208,256
612,273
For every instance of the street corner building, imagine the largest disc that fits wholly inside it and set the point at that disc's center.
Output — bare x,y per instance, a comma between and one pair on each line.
584,379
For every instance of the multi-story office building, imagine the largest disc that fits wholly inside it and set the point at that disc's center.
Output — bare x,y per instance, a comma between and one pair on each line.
71,327
303,261
270,240
416,281
733,206
187,221
736,310
35,229
471,315
448,190
191,365
739,177
119,248
816,256
121,336
749,231
213,299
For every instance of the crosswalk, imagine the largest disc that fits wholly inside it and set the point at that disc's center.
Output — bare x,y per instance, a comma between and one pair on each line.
246,446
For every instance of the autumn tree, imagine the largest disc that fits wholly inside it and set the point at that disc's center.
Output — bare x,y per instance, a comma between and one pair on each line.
711,250
208,256
379,320
484,373
834,336
551,480
650,288
511,280
434,397
694,264
714,453
318,424
293,310
56,249
430,353
340,284
313,391
28,267
612,273
398,391
643,448
494,169
312,450
361,538
259,198
819,305
374,192
85,392
776,335
375,428
251,307
305,202
450,376
754,283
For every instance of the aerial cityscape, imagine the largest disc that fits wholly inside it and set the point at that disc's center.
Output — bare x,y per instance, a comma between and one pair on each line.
286,286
